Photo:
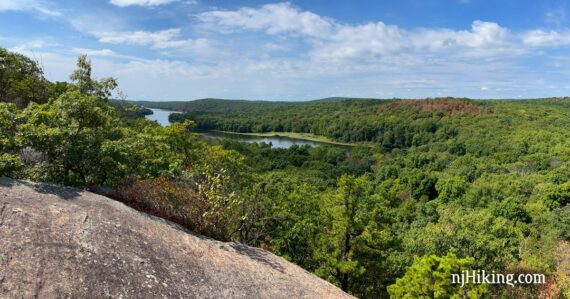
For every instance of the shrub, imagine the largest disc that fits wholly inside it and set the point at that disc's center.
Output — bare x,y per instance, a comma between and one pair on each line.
178,202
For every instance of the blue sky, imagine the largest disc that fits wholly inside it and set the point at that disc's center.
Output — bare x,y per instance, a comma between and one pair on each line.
301,50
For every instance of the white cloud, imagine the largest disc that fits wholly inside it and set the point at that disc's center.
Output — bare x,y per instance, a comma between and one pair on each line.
272,18
165,39
541,38
481,35
378,39
125,3
294,79
333,40
144,38
93,52
264,58
102,22
160,68
32,45
28,5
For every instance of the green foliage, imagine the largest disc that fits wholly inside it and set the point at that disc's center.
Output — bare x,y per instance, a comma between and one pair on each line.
7,126
87,85
355,233
452,188
9,160
563,215
488,180
492,241
21,80
558,195
430,277
347,120
290,217
129,110
70,131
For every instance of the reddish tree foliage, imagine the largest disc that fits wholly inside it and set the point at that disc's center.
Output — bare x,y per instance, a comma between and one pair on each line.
448,106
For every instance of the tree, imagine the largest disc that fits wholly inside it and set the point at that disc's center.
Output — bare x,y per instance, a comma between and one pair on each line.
86,85
70,132
559,195
289,220
9,159
355,232
21,80
492,241
431,277
451,188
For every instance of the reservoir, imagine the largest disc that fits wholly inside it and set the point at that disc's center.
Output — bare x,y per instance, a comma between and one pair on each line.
276,141
161,117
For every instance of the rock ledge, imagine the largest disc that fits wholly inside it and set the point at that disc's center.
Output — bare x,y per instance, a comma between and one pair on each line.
58,242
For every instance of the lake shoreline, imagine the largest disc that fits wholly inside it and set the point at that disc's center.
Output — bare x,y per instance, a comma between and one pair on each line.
161,116
300,136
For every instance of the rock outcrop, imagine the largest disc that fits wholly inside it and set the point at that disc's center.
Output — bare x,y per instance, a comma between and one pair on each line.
59,242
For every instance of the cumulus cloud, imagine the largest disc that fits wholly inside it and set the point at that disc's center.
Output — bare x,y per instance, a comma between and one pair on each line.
125,3
541,38
279,48
272,18
333,40
481,35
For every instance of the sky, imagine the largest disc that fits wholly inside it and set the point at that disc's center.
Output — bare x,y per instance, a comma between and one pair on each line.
163,50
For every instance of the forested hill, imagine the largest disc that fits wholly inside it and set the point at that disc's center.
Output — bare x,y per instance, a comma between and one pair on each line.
264,116
216,104
211,105
390,123
442,185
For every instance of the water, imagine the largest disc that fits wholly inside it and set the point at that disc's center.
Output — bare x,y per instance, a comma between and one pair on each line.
276,141
161,117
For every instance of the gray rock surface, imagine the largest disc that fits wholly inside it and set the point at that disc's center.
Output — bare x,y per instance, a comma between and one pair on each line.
59,242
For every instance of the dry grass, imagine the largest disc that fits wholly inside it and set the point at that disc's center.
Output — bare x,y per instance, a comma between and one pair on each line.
176,202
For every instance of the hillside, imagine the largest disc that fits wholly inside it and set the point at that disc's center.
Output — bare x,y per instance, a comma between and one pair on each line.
211,104
62,242
438,186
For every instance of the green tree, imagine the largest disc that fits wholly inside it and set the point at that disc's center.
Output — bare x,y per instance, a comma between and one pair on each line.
492,241
9,159
431,277
290,221
451,188
355,232
85,83
21,80
70,132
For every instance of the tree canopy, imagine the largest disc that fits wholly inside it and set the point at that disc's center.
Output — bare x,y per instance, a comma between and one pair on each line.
430,187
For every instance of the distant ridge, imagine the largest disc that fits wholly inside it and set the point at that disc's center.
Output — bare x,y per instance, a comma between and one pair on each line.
213,103
328,99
